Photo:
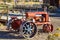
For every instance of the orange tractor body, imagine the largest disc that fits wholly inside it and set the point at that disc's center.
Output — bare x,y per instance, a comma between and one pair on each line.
39,17
28,24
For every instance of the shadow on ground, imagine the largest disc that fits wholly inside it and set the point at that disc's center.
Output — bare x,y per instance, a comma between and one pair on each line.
7,35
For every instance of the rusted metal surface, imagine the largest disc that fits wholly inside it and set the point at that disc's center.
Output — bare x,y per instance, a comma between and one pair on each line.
39,15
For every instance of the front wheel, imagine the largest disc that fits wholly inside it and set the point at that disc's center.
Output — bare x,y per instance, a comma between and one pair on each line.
29,29
47,27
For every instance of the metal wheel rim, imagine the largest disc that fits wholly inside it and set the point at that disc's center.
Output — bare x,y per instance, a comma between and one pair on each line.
28,29
49,26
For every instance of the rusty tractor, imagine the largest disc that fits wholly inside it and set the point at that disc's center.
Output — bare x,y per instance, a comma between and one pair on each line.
27,25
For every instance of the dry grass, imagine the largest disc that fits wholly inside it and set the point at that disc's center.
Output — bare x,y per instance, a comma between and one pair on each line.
2,27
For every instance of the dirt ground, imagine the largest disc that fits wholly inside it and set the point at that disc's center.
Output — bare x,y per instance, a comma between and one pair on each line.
6,35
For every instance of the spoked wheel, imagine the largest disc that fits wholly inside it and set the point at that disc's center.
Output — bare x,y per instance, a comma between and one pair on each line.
29,29
47,27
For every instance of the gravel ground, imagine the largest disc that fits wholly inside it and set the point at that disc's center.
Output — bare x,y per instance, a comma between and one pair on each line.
6,35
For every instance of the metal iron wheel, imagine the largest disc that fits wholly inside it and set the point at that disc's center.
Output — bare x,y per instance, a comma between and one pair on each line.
28,29
47,27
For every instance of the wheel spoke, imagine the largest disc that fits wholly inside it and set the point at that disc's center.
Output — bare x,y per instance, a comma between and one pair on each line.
25,24
26,28
31,29
30,32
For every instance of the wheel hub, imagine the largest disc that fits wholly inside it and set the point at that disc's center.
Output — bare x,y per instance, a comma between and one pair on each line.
27,29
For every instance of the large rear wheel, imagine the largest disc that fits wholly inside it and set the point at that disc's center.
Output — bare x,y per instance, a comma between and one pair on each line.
29,29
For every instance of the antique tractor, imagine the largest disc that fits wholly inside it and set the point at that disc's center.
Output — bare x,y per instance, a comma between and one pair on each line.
28,24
